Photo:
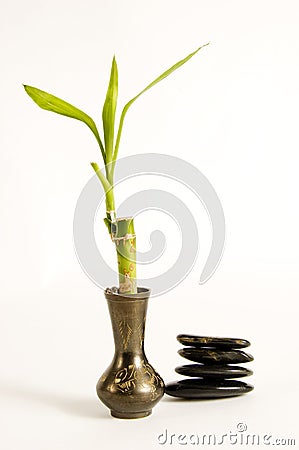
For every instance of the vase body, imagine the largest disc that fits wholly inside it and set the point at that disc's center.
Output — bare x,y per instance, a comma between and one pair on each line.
130,387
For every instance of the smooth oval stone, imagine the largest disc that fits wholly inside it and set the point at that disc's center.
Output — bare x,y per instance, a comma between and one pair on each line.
208,341
210,356
199,388
215,371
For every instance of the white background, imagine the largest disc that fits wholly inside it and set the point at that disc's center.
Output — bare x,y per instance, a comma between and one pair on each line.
232,111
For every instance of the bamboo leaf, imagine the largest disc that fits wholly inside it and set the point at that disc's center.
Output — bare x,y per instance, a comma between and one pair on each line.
108,113
108,188
51,103
157,80
105,183
107,222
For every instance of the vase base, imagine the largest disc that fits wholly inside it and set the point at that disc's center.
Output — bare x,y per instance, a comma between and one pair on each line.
130,415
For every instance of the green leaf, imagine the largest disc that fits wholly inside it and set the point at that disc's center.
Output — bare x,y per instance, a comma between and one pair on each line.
107,222
108,188
108,114
55,104
157,80
105,183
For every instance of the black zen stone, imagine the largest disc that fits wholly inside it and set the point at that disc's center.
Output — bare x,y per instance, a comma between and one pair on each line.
214,371
196,388
212,356
217,342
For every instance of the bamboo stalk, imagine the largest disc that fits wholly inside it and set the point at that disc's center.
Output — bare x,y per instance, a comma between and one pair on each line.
121,230
123,235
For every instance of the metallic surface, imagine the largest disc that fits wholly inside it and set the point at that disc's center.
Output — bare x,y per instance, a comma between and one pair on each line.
130,387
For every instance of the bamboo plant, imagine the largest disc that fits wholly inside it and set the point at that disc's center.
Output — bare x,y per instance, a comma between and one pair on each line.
121,229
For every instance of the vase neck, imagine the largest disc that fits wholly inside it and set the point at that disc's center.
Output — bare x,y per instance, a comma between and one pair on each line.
128,323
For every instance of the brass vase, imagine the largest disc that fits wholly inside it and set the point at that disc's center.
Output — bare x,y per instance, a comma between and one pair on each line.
130,387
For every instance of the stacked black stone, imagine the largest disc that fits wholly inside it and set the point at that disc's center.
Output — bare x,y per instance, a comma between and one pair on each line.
213,376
